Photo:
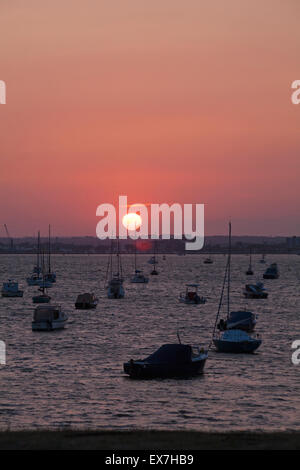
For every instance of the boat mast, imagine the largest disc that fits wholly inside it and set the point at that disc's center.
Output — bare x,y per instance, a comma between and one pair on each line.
228,272
43,272
38,255
135,248
49,255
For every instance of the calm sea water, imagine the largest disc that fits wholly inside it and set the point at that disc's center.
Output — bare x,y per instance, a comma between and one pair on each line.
74,377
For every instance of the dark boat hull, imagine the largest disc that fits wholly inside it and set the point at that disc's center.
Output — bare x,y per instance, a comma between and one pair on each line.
252,295
85,306
237,347
270,276
143,370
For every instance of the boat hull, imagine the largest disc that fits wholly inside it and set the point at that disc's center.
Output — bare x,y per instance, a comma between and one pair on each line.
249,295
12,294
41,300
143,370
202,300
235,347
270,276
48,325
89,306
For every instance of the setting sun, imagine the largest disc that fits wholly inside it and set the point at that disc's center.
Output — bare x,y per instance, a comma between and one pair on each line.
132,221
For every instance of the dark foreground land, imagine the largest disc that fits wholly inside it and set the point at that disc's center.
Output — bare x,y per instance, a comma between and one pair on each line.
147,440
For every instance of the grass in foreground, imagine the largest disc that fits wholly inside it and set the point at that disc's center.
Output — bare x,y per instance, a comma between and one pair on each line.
147,440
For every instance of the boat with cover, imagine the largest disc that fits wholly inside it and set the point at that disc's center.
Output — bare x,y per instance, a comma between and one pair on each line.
232,336
11,289
191,296
86,301
170,360
48,318
241,320
255,291
271,272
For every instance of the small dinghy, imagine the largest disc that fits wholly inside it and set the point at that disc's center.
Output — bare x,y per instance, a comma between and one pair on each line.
191,296
86,301
236,341
11,289
255,291
272,272
48,318
170,360
208,260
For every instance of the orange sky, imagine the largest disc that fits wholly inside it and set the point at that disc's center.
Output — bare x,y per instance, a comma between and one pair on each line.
163,101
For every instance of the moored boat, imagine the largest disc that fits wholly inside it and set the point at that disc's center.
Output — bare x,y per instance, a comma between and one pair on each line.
241,320
232,336
139,277
86,301
191,296
255,291
170,360
271,272
115,289
48,318
11,289
236,341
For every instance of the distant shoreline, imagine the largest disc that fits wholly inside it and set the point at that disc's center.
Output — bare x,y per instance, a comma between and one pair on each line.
148,440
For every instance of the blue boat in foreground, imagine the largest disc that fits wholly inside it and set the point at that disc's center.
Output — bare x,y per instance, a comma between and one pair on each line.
236,341
170,360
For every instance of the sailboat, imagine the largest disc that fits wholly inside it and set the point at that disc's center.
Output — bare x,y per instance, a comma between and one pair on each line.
42,298
209,259
115,289
262,260
138,277
35,279
153,261
232,337
50,276
249,271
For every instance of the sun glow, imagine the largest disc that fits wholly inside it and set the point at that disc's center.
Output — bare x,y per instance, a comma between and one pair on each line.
132,221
